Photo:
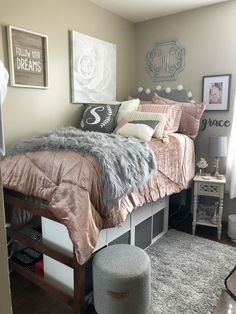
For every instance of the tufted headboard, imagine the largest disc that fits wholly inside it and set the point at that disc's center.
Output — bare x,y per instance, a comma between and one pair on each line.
179,93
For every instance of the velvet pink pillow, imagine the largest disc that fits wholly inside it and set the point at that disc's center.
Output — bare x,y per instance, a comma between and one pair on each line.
190,117
173,112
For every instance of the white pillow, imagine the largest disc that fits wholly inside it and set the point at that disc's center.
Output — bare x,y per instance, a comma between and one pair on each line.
141,129
129,105
137,115
125,106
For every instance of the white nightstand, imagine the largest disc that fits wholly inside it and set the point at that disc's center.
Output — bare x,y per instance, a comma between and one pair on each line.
208,186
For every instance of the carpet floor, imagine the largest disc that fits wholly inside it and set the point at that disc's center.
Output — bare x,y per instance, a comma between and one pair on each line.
188,273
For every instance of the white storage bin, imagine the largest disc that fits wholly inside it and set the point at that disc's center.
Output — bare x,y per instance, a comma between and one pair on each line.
232,227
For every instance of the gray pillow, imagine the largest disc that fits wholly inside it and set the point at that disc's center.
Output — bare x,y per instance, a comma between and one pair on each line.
99,118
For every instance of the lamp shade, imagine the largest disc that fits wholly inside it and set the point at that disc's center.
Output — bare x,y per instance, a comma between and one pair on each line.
217,146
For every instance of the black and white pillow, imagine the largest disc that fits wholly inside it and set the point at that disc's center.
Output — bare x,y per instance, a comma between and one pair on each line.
141,129
99,118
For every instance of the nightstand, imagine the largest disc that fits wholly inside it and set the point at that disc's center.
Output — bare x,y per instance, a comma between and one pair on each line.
208,186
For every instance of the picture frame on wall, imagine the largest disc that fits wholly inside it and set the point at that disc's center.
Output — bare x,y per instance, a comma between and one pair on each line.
216,92
28,58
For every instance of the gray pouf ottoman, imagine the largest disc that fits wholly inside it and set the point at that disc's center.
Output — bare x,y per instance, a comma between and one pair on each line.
122,280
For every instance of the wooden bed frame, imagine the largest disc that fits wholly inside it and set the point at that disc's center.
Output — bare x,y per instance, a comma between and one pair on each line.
78,300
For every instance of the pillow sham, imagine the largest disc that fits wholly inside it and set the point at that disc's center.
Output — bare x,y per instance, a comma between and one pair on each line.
190,117
138,115
141,129
99,118
173,112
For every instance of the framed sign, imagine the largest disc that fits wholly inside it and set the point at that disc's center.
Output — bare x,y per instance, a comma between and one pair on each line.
215,92
28,58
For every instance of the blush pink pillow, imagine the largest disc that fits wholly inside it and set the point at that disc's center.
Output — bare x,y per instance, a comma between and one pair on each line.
190,117
173,112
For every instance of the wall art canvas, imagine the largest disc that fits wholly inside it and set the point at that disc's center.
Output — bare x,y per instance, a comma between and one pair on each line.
93,69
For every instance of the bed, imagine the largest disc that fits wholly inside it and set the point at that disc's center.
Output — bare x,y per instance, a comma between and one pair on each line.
141,218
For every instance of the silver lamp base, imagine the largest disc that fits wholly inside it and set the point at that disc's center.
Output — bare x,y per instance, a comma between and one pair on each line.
215,172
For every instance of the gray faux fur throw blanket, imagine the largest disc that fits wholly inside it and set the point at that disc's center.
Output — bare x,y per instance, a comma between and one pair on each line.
125,163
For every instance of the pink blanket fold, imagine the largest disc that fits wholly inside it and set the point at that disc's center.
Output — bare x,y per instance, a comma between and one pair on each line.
71,183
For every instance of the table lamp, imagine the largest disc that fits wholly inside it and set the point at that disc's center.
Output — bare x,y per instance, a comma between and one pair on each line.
217,147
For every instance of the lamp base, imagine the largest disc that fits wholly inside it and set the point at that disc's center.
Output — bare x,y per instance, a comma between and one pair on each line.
214,219
215,172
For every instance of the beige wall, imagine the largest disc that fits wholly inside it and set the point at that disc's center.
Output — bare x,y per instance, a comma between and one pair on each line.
208,35
32,111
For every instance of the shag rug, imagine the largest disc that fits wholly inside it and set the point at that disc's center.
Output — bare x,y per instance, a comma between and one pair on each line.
188,273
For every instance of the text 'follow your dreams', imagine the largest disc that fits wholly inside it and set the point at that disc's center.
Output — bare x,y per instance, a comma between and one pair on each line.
28,60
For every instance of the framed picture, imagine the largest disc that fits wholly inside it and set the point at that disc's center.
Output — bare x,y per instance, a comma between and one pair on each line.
215,91
93,69
28,58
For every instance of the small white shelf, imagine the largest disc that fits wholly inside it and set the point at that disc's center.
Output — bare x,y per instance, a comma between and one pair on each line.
211,187
207,178
206,222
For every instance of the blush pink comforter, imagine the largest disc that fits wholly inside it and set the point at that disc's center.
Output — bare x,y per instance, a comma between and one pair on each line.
71,183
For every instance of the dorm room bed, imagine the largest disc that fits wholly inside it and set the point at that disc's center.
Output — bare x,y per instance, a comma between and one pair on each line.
141,219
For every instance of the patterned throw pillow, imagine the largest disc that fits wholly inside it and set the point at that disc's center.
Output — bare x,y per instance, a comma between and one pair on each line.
173,112
138,115
141,129
191,114
99,118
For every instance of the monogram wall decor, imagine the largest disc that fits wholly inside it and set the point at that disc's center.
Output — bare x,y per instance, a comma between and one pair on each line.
165,60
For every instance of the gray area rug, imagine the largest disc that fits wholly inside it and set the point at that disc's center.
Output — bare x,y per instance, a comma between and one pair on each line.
188,273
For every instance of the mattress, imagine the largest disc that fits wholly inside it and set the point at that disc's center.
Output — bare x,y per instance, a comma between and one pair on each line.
71,184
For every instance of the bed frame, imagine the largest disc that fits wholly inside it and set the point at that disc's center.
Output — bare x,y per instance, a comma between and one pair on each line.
77,301
53,254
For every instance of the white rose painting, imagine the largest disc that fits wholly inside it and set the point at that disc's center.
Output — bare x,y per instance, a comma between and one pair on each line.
93,69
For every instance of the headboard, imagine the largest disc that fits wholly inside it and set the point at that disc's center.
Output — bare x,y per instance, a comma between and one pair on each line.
179,93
